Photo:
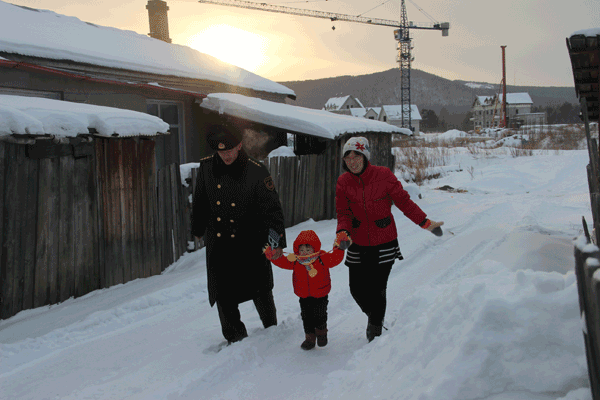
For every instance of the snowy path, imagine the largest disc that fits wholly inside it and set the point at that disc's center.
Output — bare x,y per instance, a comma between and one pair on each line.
488,311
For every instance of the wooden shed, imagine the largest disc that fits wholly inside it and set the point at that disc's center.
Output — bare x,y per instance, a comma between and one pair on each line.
81,202
584,51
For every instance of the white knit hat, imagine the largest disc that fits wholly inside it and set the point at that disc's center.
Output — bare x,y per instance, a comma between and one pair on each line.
358,144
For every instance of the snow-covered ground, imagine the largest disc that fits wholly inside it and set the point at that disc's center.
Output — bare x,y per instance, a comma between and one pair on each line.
489,311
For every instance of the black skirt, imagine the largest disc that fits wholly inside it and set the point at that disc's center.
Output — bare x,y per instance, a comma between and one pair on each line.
367,255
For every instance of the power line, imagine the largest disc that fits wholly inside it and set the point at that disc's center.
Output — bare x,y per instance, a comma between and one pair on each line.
374,8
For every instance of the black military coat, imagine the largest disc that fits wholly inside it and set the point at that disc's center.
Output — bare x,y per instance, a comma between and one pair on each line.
233,208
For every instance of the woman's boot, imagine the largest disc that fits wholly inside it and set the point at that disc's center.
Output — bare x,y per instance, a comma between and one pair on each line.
309,342
321,336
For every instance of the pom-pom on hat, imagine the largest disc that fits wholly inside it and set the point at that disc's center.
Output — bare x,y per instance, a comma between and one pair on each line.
221,138
358,144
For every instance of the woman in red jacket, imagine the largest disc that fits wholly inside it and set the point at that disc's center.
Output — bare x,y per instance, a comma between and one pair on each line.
312,283
364,198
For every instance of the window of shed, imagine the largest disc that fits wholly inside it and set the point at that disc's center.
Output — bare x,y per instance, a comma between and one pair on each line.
172,113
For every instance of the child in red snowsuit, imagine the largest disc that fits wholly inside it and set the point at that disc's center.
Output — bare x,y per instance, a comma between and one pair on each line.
312,283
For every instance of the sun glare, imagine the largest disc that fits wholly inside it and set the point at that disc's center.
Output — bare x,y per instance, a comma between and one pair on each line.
232,45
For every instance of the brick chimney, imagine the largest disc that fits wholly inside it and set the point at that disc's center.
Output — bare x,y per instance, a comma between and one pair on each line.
159,23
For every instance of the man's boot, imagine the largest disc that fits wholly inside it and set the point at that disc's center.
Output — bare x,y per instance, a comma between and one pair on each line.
309,342
373,331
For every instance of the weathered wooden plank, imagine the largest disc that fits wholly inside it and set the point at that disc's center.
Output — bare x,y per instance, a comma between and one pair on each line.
154,212
11,254
84,198
20,197
3,162
67,230
152,255
130,251
97,252
47,233
142,207
162,220
115,166
103,183
28,233
123,266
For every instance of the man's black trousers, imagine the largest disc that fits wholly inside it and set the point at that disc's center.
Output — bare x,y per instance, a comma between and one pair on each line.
231,323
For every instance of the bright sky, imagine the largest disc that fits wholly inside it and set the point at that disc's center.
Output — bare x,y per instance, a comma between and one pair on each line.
285,47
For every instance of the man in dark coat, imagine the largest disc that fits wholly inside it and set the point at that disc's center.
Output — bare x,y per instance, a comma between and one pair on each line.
235,206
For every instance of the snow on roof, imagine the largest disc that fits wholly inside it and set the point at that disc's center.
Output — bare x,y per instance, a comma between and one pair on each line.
484,99
37,116
293,118
517,98
587,32
46,34
335,103
395,112
358,112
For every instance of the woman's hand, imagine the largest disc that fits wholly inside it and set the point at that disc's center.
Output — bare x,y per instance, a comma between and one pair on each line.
434,227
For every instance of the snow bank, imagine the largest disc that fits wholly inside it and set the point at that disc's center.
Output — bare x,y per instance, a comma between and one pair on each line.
473,338
282,151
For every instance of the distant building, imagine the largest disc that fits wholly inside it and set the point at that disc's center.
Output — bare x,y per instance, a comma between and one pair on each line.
487,111
391,114
342,105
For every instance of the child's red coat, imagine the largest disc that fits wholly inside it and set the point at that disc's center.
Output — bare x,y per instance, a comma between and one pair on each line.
320,284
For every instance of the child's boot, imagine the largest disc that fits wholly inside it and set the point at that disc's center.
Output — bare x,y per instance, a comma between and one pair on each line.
309,342
321,336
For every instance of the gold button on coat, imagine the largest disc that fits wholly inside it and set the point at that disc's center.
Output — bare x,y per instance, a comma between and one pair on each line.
232,204
218,235
219,219
232,236
231,221
218,203
218,186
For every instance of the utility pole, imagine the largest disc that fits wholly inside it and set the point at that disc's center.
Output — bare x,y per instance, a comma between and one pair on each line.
503,88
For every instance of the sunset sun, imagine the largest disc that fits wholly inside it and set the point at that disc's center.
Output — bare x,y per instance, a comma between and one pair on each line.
232,45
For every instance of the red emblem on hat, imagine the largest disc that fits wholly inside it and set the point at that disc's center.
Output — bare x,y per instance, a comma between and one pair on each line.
360,146
221,145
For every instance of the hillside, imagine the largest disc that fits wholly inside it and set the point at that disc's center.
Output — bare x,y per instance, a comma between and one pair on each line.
427,91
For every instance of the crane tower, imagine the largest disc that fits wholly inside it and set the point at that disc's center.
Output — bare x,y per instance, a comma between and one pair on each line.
401,34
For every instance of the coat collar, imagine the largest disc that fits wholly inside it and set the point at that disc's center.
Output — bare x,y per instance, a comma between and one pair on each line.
235,170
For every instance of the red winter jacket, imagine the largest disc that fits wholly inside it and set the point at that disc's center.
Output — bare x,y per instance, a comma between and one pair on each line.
364,205
320,284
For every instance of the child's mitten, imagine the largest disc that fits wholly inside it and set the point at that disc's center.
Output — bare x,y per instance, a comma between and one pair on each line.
269,253
342,240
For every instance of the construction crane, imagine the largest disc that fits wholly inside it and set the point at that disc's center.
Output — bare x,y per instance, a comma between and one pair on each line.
402,36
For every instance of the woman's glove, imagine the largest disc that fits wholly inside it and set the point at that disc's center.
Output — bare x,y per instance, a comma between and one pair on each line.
342,240
433,227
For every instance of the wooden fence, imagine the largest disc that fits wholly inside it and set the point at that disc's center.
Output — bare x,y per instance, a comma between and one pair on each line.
85,215
306,185
587,262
